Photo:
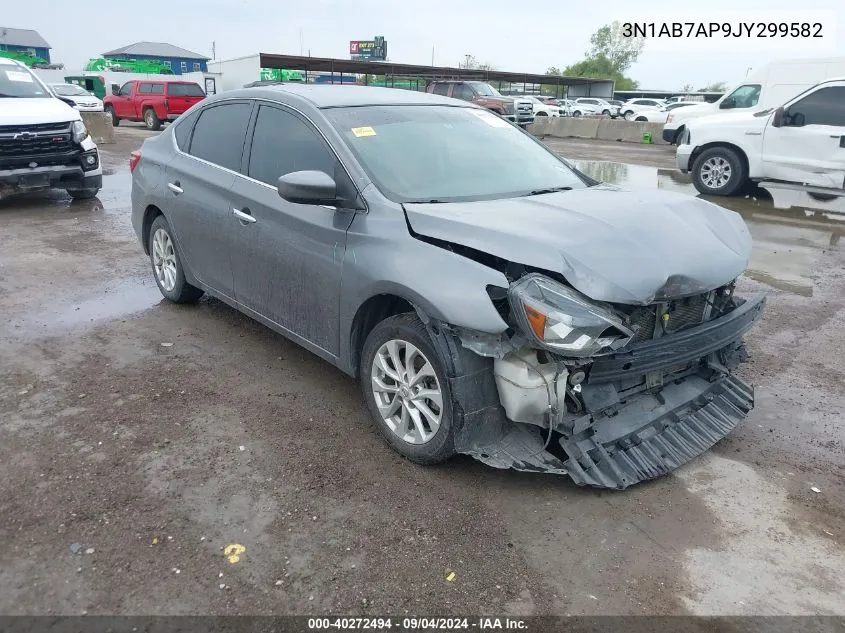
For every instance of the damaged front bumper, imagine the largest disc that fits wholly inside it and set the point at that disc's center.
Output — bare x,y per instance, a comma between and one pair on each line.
692,401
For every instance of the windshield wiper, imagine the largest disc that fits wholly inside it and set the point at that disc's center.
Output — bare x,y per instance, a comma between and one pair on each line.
538,192
5,96
426,202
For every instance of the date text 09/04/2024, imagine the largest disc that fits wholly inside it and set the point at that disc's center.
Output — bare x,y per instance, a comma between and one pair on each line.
722,29
417,624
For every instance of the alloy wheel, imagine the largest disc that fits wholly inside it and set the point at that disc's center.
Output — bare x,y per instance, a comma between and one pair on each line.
406,391
716,172
164,260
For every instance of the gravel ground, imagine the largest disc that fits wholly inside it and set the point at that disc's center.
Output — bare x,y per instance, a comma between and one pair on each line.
138,440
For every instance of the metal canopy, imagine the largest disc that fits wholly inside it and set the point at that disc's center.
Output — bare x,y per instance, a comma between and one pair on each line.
329,65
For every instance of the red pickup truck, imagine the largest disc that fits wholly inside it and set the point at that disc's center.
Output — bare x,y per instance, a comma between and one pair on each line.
151,101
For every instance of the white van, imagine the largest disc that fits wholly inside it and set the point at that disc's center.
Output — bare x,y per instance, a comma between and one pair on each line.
768,87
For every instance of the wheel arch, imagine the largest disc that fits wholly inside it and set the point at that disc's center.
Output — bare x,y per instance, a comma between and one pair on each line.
150,214
743,156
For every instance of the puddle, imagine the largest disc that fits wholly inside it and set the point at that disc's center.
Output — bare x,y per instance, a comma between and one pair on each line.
790,229
123,299
114,197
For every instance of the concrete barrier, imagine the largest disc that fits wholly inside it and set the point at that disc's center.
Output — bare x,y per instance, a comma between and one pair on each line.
99,127
598,128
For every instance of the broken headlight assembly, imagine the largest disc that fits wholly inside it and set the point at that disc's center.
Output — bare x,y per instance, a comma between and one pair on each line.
562,320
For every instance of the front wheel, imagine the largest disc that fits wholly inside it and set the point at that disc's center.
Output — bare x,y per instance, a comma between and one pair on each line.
576,113
167,265
606,112
719,171
151,120
83,194
541,114
114,120
405,388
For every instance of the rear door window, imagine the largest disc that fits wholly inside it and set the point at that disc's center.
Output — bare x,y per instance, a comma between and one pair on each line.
283,143
219,134
157,89
145,89
182,131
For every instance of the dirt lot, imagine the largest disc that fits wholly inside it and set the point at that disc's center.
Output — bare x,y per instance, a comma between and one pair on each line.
139,439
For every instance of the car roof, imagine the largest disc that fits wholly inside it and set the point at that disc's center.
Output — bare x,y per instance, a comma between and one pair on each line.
338,96
9,62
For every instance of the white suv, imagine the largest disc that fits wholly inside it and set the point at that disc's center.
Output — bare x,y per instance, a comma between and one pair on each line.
601,106
633,106
801,143
43,142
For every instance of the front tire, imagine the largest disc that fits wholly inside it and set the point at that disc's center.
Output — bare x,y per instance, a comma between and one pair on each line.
83,194
151,120
114,120
167,264
576,113
719,171
405,388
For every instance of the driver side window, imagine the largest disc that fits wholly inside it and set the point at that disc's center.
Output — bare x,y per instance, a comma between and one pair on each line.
742,97
126,90
823,107
462,91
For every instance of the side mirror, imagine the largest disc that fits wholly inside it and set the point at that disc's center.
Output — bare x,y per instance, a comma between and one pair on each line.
779,116
70,102
308,187
727,104
115,90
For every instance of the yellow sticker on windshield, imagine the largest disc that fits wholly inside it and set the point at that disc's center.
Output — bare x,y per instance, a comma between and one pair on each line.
363,131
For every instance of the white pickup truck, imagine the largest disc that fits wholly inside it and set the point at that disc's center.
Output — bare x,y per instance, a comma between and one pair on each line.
800,145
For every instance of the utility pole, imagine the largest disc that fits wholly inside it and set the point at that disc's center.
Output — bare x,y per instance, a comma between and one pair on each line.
214,50
300,43
432,55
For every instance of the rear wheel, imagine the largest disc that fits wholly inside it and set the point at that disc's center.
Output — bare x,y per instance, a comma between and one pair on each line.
114,120
405,388
719,171
542,114
151,120
167,265
641,119
576,113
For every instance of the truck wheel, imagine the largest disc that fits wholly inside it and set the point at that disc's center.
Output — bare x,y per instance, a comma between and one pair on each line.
405,388
151,120
542,114
167,264
82,194
719,171
114,120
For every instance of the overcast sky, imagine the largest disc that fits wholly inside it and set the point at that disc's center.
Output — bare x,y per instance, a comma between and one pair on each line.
531,40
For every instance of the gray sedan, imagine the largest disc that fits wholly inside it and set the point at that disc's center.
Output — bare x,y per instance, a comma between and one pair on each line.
490,299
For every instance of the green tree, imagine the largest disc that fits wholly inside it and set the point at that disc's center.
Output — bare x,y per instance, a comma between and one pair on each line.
719,86
600,67
610,42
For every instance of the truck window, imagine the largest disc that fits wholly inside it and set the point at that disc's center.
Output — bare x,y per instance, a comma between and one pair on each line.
126,90
441,89
743,97
823,107
157,89
184,90
463,91
145,89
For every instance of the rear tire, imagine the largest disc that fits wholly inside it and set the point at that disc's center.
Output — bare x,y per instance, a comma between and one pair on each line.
576,113
398,348
151,120
114,120
719,171
167,264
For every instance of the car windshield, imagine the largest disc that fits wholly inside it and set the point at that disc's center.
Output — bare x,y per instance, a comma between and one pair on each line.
485,90
70,90
19,82
448,154
184,90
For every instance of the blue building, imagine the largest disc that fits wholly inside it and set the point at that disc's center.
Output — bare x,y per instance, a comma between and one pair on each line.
24,41
180,59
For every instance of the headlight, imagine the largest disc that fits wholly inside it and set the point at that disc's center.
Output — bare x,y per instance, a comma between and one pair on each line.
563,320
78,131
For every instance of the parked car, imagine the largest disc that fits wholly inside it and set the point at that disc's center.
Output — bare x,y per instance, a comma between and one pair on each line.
43,142
659,116
580,109
633,106
767,87
601,106
491,299
516,109
82,100
152,101
801,142
541,108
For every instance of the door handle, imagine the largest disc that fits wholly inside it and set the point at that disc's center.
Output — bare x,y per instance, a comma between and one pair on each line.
243,216
175,188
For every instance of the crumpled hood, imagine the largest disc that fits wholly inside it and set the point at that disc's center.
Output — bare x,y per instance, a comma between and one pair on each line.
34,111
610,244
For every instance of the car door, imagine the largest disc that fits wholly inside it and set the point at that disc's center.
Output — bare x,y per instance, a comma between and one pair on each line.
288,257
809,146
199,183
122,102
